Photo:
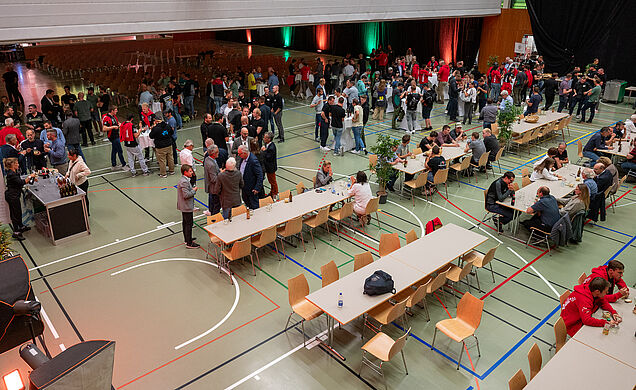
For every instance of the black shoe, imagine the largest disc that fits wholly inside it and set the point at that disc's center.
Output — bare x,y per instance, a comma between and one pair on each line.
193,245
17,236
85,145
24,229
281,140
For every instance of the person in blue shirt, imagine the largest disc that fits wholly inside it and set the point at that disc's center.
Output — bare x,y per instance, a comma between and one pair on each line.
56,151
172,122
48,126
595,144
533,102
588,178
273,79
545,211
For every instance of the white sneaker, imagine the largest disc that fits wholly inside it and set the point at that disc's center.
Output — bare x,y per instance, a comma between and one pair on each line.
325,149
355,151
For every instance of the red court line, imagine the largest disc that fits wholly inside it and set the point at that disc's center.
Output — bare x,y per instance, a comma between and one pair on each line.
111,268
196,349
513,275
358,241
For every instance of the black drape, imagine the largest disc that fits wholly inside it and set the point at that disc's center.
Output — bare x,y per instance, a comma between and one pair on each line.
572,33
425,37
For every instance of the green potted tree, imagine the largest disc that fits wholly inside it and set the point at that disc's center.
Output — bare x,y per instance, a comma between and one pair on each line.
5,241
505,119
382,169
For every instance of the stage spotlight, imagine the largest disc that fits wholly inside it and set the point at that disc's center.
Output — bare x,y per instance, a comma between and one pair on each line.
13,381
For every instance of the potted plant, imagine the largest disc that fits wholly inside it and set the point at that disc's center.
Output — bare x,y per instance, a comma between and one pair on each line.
383,170
505,119
5,242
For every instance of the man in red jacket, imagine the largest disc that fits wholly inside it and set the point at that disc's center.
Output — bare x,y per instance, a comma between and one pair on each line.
442,80
613,273
586,299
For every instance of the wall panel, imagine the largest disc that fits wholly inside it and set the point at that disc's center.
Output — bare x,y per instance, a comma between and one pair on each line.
499,34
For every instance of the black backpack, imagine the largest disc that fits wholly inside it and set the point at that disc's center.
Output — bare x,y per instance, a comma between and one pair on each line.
379,283
430,97
411,101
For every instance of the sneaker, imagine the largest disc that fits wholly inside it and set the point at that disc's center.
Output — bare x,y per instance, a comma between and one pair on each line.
192,245
355,151
365,151
196,209
24,229
171,173
125,168
163,176
317,139
17,236
147,173
325,148
114,169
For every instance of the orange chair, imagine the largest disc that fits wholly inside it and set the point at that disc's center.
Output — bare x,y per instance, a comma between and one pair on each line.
298,289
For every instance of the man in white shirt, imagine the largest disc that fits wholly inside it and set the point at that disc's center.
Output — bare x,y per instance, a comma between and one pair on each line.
348,70
630,124
185,157
506,100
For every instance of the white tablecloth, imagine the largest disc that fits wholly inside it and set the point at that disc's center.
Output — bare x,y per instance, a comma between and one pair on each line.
389,99
404,124
346,140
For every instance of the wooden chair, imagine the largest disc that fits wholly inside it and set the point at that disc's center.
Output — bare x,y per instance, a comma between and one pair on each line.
523,140
298,289
437,283
417,151
213,239
339,215
525,172
418,182
389,242
239,250
497,158
373,162
560,334
612,195
487,213
455,274
361,260
582,278
372,207
461,167
415,295
518,381
441,177
265,201
329,273
239,210
464,325
515,186
411,236
384,314
483,161
480,261
561,126
494,128
563,297
292,227
265,237
568,120
283,195
525,180
321,218
535,360
384,348
579,146
300,188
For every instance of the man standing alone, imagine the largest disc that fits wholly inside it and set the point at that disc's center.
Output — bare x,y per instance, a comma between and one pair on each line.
277,110
185,204
211,171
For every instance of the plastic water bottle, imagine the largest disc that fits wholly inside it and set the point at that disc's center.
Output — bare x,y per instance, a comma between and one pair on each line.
340,302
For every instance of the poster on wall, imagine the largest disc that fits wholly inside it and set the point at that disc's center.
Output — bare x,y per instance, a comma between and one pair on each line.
520,48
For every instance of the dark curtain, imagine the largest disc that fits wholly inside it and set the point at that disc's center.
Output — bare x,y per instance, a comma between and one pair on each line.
453,39
572,33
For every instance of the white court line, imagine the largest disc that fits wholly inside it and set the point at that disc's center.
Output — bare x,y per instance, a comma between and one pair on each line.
117,241
413,214
207,332
49,323
62,347
464,197
625,204
535,271
498,240
268,365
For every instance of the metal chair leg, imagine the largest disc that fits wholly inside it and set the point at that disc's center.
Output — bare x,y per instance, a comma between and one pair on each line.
461,353
311,231
302,239
477,278
257,259
277,253
434,336
377,218
404,360
288,318
492,272
478,351
252,260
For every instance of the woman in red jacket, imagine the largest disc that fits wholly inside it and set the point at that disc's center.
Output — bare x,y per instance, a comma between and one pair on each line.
586,299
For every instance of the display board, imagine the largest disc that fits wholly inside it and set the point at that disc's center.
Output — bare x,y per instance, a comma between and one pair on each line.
38,20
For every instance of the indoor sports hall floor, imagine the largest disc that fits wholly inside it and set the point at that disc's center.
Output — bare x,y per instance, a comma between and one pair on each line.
133,281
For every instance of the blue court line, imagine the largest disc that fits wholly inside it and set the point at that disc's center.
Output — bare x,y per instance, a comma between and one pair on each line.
469,388
198,201
297,263
612,230
621,250
472,185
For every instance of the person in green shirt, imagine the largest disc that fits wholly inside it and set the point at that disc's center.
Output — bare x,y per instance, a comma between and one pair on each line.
593,95
92,99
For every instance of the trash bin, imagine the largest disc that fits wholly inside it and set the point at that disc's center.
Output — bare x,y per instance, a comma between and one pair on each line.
615,91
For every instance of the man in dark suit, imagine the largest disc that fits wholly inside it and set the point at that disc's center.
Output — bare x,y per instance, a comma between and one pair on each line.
46,104
244,139
603,182
269,161
10,149
252,173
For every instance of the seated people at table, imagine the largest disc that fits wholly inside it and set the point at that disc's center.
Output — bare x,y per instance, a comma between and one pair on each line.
629,165
404,153
250,168
324,176
434,162
393,160
229,184
630,124
618,131
444,138
533,102
545,210
427,142
586,299
498,191
542,171
596,144
580,201
613,273
603,181
492,145
588,176
552,152
489,113
458,133
361,193
476,146
611,168
561,156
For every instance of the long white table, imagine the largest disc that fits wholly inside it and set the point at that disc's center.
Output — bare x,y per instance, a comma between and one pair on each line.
407,266
281,212
620,344
526,196
523,126
417,164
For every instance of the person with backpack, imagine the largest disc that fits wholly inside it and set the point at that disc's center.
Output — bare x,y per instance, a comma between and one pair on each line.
412,99
428,98
469,97
380,104
396,99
